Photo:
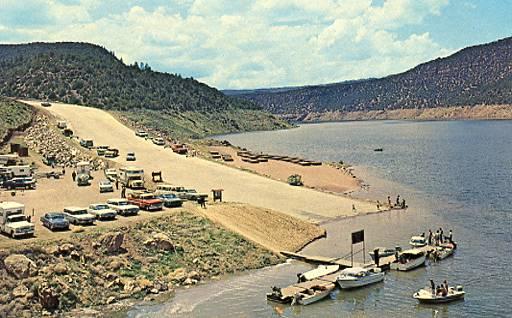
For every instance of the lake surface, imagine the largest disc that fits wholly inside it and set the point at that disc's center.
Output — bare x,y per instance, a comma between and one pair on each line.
455,175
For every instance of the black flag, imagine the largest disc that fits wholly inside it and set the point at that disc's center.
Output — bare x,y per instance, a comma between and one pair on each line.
357,237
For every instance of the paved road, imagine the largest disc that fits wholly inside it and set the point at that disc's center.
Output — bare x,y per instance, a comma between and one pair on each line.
204,175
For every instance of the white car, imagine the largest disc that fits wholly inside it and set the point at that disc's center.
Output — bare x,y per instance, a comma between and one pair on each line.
102,211
158,141
130,156
141,133
78,216
123,207
106,186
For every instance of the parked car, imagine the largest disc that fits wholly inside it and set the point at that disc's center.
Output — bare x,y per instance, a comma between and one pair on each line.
170,200
145,201
78,216
101,150
193,195
123,207
141,133
106,186
102,211
111,174
158,141
111,153
20,183
55,221
130,156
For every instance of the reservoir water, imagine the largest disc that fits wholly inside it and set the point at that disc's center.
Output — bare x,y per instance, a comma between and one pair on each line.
455,175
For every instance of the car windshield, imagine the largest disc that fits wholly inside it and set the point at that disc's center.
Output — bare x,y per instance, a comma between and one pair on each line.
55,216
122,203
17,218
169,196
105,182
77,212
99,207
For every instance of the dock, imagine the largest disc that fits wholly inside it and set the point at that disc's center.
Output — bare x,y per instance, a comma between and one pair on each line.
384,262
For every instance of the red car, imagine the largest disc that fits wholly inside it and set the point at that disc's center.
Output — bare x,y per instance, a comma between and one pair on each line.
145,201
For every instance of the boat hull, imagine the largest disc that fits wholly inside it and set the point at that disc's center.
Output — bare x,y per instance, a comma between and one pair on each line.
361,282
425,296
410,265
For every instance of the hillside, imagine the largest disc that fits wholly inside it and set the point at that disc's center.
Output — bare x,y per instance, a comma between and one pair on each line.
13,115
475,75
87,74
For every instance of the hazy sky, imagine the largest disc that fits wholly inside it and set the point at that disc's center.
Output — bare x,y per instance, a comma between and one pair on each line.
248,44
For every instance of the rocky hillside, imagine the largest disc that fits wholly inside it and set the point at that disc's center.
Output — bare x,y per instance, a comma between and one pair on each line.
475,75
86,74
13,116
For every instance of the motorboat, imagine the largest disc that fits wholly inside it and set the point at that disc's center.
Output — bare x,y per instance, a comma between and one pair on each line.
313,294
441,252
321,270
358,277
418,241
409,259
384,252
427,296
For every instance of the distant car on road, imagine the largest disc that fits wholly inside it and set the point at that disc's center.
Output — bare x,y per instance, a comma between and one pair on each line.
130,156
170,200
106,186
55,221
102,211
78,216
111,153
158,141
123,207
46,104
20,183
141,133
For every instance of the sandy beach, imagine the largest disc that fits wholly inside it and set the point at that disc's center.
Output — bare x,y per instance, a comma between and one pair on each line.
325,177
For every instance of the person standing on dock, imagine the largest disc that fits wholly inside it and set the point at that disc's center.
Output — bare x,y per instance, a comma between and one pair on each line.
389,201
429,240
398,200
450,236
433,286
441,237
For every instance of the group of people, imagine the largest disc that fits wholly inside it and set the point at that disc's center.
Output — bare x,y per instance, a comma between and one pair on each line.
439,290
398,203
438,237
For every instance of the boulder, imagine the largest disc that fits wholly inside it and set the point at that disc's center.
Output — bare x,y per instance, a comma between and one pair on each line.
60,269
178,275
112,242
20,291
20,266
194,275
160,241
66,248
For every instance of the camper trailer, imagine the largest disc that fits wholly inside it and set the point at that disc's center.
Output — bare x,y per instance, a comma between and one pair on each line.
132,177
13,221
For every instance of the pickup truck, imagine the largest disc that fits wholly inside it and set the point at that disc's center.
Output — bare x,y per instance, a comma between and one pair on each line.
78,216
102,211
123,207
145,201
13,221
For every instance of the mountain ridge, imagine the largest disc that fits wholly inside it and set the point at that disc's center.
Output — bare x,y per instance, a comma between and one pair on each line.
479,74
88,74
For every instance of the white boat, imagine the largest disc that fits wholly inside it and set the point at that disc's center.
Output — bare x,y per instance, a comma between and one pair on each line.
384,252
409,259
441,252
359,277
313,294
321,270
426,295
418,241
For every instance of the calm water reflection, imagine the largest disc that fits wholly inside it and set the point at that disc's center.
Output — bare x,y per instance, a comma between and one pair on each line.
453,174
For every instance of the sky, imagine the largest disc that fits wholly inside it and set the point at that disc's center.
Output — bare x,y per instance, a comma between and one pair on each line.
235,44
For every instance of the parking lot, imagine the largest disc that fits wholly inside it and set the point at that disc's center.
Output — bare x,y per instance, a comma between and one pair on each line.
53,195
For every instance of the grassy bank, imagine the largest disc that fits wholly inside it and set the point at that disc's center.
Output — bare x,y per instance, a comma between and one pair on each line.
106,266
13,115
198,125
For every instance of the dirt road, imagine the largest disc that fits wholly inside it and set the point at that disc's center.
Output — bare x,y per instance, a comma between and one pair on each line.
205,175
